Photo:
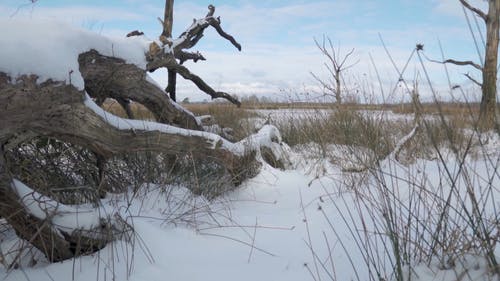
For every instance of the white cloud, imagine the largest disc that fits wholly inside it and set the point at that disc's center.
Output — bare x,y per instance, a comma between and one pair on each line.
73,14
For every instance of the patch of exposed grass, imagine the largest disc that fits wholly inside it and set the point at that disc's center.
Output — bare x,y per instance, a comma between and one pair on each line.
226,116
140,111
342,127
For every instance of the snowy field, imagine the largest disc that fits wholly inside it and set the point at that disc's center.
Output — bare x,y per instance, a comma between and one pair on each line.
280,225
312,221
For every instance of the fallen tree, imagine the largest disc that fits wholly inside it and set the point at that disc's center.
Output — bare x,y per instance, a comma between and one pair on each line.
44,103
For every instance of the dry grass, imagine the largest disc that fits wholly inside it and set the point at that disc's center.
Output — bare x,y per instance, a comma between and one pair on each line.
140,111
226,116
462,115
343,127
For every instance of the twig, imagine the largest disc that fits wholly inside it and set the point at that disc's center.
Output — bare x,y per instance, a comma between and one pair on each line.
253,240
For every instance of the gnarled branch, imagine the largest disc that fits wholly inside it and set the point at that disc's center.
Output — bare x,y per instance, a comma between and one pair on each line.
215,23
112,77
170,63
173,50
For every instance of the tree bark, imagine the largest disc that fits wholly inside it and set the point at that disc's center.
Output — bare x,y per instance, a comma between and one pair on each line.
172,84
487,116
112,77
168,19
338,95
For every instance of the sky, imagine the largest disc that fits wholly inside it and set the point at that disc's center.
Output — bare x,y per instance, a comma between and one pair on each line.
278,42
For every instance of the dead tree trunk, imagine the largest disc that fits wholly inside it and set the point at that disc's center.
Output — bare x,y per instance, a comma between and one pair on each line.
60,111
53,109
490,70
113,78
174,49
30,108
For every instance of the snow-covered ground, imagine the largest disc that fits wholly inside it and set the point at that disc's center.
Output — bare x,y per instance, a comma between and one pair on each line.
276,226
309,222
254,233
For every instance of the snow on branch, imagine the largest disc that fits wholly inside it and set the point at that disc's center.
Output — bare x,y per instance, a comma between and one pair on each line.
64,217
193,34
171,54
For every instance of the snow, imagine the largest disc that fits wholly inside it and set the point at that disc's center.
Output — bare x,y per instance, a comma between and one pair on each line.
268,136
64,217
265,212
260,231
184,35
50,49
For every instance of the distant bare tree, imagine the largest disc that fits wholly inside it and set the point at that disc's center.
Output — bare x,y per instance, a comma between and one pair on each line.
336,64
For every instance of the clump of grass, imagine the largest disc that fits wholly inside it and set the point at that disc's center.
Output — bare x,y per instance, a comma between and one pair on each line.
340,127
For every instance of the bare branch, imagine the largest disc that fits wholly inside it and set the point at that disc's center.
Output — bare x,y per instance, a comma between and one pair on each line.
186,74
195,32
215,23
325,85
475,10
166,57
135,33
452,61
345,59
168,61
471,63
473,80
211,11
185,56
32,2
